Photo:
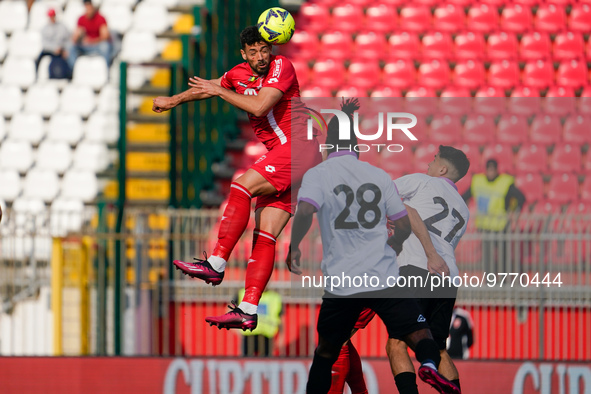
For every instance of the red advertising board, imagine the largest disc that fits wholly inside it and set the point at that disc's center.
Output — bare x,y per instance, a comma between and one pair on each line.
252,376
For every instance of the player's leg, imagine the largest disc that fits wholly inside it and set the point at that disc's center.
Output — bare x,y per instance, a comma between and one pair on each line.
340,371
355,378
233,223
448,369
402,367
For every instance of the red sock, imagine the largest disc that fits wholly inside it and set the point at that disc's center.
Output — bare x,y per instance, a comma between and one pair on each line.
340,370
260,266
234,221
355,377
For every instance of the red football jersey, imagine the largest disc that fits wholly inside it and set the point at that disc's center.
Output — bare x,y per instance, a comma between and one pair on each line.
275,128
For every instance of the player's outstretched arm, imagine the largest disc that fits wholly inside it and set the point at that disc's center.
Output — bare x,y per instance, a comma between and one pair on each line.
435,263
259,105
162,104
301,224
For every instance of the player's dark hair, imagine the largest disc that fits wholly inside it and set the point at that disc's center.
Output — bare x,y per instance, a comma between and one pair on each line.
456,158
348,106
492,163
250,36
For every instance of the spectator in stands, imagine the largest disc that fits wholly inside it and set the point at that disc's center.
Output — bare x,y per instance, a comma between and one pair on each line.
461,334
55,38
496,197
91,36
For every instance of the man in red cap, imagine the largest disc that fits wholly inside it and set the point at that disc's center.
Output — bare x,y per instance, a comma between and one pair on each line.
54,38
91,36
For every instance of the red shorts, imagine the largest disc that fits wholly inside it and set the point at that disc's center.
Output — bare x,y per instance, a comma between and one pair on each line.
285,174
364,318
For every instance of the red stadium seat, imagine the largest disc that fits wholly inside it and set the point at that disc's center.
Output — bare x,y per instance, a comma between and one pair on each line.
472,150
421,100
336,45
252,151
550,18
512,129
572,73
496,3
469,45
587,163
538,74
479,129
580,207
560,101
563,188
586,189
386,91
304,45
415,18
302,71
424,155
516,18
428,3
329,73
585,101
566,158
370,45
503,154
455,100
398,163
394,3
546,207
380,18
503,74
469,74
448,17
360,3
490,100
524,101
502,46
535,45
437,45
532,186
576,129
546,129
404,45
445,129
434,74
483,18
568,45
347,18
580,18
465,183
316,91
351,91
364,74
463,3
399,74
315,17
531,158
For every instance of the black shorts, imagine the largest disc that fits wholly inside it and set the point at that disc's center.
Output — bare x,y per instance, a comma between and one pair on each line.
438,308
338,316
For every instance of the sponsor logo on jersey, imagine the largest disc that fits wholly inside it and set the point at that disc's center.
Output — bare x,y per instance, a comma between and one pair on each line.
263,157
277,70
250,92
421,319
242,84
270,168
273,80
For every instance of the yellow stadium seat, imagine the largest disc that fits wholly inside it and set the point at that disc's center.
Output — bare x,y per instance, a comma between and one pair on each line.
173,51
149,132
184,24
161,78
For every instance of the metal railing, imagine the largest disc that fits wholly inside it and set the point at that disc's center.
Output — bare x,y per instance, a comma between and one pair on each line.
70,260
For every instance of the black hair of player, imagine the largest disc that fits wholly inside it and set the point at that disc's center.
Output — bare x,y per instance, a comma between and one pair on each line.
492,163
251,36
456,158
348,106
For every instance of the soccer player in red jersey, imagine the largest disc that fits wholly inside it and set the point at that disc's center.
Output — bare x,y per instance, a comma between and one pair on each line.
263,86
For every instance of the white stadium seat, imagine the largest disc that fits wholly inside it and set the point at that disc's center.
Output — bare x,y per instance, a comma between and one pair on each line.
81,185
3,45
41,184
166,3
19,72
152,18
28,213
136,77
90,71
2,128
129,3
65,127
102,128
11,100
11,185
13,16
38,14
54,155
42,100
118,16
138,47
92,156
108,100
26,127
25,44
16,155
78,100
66,215
74,10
